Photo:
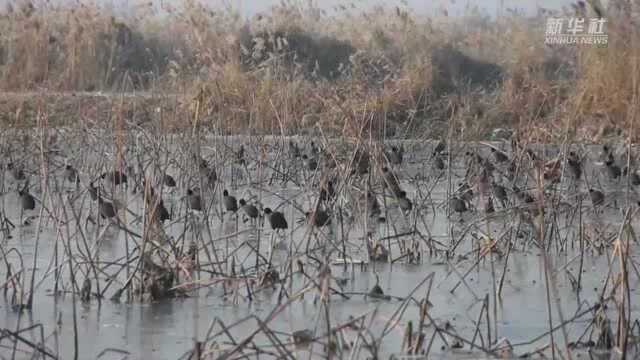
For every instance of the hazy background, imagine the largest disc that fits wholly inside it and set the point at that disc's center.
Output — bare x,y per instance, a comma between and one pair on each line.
251,7
454,7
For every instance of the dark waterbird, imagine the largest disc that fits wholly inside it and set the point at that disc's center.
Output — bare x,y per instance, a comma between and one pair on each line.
327,191
230,203
438,162
168,181
458,205
318,218
396,155
607,153
499,156
532,155
160,211
16,171
500,193
613,170
209,175
27,201
575,164
194,202
302,338
93,191
474,158
106,209
249,210
270,277
294,150
465,191
597,197
440,147
276,219
552,170
512,170
240,155
309,163
634,178
391,181
403,202
376,250
524,196
360,162
488,205
155,203
376,291
71,174
485,164
115,177
373,206
313,148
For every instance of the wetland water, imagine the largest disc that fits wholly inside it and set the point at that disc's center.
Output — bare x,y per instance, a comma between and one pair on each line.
421,242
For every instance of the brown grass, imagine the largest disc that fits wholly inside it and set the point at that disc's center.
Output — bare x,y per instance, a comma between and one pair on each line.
376,69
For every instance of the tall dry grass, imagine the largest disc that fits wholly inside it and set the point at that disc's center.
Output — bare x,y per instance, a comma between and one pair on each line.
380,70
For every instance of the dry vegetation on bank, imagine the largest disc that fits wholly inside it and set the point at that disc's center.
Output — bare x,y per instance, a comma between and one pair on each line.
380,69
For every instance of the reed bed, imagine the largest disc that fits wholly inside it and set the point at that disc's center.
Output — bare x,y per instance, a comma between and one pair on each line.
297,65
192,254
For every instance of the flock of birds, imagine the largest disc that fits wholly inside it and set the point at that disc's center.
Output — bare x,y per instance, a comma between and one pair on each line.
485,177
490,177
108,209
